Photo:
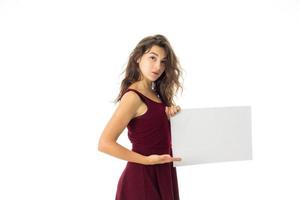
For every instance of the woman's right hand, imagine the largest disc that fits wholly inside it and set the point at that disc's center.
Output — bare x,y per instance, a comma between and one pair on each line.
160,159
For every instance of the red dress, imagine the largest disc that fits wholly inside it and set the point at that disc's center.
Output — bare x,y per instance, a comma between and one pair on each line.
149,134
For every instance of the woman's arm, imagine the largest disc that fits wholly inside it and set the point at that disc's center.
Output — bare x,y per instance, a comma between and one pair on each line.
125,111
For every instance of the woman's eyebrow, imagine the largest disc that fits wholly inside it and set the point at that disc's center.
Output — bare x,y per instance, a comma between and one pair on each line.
156,55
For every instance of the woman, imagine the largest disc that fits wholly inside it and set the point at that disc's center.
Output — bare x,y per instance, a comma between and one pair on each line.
145,107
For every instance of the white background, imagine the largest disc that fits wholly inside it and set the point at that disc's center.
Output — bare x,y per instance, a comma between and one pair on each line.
61,63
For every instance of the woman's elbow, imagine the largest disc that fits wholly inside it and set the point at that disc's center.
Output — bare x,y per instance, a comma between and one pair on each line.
103,145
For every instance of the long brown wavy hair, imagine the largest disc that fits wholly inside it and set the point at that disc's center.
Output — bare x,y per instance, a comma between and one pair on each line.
167,85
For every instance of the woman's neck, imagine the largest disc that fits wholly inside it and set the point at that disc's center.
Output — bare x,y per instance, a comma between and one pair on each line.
143,86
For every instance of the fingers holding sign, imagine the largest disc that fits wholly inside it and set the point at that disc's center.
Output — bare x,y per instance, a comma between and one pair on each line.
171,111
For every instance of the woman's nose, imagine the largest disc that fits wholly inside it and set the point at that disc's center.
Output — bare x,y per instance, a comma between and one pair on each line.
157,66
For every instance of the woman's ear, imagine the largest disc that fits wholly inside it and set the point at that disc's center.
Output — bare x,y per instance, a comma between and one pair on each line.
138,60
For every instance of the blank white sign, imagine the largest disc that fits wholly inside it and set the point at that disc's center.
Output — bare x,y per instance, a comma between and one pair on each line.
206,135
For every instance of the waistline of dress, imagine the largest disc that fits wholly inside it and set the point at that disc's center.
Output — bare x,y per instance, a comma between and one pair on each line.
145,150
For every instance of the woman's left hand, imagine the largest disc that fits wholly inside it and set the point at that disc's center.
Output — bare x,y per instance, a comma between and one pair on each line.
171,111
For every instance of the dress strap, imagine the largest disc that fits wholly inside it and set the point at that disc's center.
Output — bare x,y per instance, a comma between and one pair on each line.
142,97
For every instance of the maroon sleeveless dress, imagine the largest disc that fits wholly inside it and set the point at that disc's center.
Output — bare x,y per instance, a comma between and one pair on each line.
149,134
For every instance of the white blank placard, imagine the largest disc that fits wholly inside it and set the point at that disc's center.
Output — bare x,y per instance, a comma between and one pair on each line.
206,135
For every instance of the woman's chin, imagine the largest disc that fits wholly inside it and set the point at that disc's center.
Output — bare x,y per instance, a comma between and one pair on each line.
152,79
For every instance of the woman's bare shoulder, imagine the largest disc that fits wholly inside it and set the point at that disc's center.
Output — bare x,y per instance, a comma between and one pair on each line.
130,98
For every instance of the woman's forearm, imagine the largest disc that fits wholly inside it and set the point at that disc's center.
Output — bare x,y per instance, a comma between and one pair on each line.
117,150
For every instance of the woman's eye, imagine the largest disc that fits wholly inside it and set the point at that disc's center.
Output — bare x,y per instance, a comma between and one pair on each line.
152,57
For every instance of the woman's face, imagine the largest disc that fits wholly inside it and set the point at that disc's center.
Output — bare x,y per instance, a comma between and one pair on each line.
152,63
